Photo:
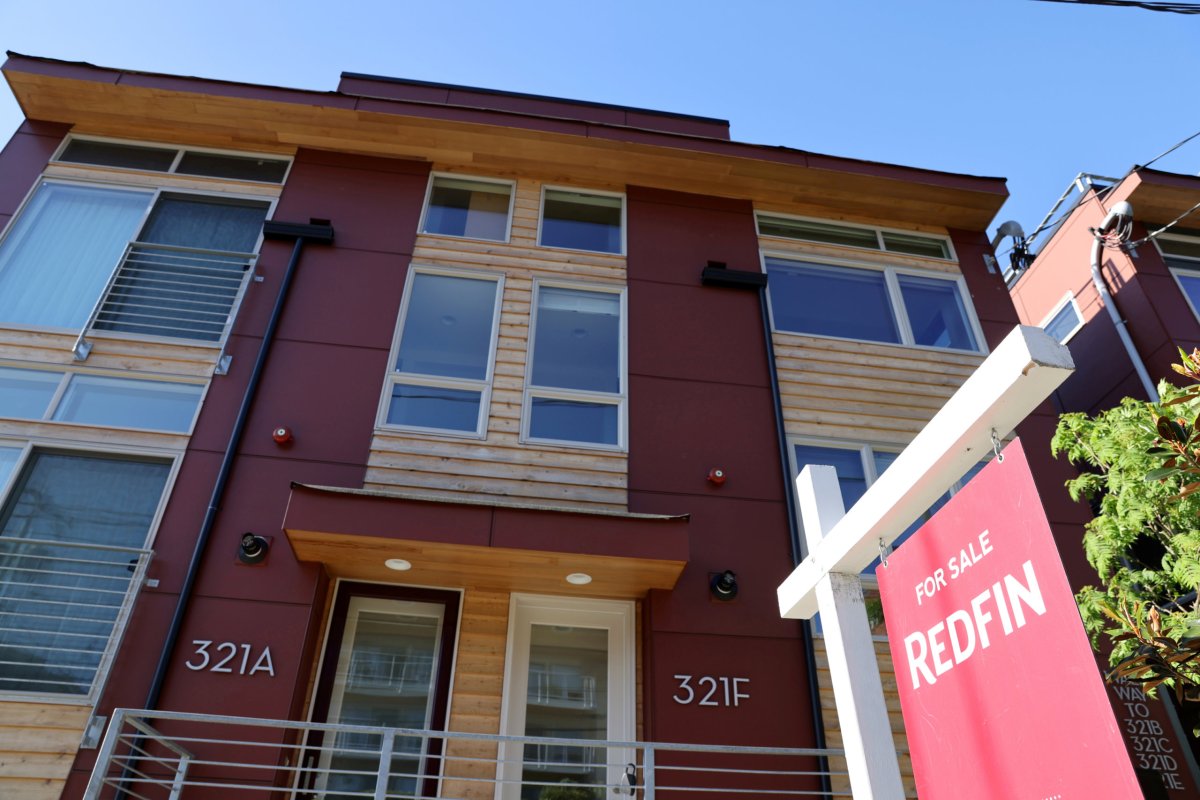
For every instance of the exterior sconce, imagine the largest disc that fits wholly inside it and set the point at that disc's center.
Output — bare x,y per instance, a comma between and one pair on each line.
724,585
252,549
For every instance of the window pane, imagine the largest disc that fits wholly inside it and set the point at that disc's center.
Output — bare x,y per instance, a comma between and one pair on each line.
477,209
830,301
434,407
8,460
1180,247
26,393
240,168
121,403
58,256
572,421
448,327
818,232
1064,322
577,340
581,221
916,245
1190,281
936,312
849,465
60,601
206,223
128,156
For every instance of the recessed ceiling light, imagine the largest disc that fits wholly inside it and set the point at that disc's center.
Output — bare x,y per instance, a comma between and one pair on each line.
398,564
579,578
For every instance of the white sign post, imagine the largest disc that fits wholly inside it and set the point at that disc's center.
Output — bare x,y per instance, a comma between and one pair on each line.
1019,374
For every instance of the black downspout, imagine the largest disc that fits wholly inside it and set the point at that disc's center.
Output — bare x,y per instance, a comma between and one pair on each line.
316,233
716,274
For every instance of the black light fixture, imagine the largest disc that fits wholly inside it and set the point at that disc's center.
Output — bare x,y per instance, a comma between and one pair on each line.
253,548
724,585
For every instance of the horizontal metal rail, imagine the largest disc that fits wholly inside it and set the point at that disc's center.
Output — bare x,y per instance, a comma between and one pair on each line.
170,292
63,609
164,755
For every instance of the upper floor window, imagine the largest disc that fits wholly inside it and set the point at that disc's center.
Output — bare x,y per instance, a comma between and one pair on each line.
575,385
1064,321
89,399
473,208
444,353
806,230
177,160
139,261
872,304
582,220
73,529
1182,256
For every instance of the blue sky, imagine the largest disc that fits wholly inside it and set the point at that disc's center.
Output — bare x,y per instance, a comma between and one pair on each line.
1031,91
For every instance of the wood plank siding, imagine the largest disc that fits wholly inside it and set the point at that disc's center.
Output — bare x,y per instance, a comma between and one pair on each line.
37,746
499,466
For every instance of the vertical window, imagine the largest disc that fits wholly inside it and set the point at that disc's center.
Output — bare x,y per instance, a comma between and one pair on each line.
936,312
582,221
1065,320
68,532
576,387
445,353
472,208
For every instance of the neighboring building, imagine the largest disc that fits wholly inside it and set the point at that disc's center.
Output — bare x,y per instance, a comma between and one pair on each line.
1154,289
517,419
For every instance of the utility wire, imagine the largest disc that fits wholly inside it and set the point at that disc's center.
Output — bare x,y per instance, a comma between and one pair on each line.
1170,8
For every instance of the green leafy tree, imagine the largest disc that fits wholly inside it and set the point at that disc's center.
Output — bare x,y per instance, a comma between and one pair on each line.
1141,474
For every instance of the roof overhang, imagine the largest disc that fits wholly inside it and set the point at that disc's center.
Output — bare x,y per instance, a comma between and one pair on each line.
1158,197
352,532
175,109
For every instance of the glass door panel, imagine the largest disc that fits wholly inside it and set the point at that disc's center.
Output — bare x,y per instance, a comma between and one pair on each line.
567,698
385,677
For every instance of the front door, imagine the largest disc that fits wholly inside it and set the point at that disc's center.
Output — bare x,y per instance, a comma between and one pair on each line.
387,664
570,675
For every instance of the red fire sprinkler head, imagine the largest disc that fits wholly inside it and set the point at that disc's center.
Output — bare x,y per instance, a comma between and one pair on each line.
282,434
716,476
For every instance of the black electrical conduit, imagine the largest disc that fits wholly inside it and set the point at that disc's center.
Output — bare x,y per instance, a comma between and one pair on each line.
716,274
318,234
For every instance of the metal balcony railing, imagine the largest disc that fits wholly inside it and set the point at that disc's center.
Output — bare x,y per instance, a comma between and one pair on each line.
163,755
170,292
63,610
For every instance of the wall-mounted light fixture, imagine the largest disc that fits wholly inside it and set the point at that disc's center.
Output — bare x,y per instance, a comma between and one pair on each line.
724,585
253,548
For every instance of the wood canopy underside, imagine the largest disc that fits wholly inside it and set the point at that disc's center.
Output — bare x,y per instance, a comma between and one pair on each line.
601,158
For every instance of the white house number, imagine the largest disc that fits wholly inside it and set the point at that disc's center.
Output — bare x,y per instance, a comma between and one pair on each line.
223,658
706,690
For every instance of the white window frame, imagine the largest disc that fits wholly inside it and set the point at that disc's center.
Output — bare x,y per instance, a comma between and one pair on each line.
618,399
484,386
163,184
895,299
68,375
1069,300
174,459
512,199
526,610
180,151
879,231
1173,265
581,190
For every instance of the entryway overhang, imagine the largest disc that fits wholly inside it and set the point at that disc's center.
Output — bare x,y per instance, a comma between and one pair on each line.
485,544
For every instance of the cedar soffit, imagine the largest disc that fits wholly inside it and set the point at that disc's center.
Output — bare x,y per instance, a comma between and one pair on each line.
244,116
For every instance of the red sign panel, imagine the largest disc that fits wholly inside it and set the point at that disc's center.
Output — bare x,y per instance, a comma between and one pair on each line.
1000,692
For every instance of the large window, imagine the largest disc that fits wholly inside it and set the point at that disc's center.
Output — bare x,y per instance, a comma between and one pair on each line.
98,399
165,264
71,532
444,353
575,387
469,207
582,220
876,305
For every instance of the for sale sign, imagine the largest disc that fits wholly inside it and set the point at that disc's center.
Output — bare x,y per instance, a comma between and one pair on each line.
1000,692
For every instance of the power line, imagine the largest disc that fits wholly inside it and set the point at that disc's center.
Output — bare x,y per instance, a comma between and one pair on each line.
1170,8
